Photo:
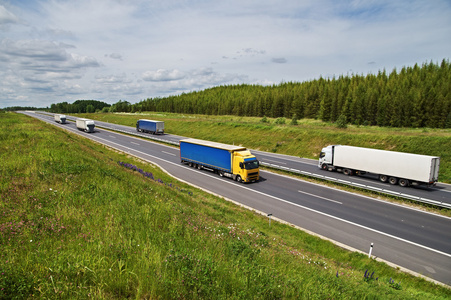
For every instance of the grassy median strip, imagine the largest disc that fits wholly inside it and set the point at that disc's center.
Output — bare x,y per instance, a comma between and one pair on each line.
78,220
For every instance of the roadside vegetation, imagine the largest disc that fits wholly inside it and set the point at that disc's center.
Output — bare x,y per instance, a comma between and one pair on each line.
302,138
78,220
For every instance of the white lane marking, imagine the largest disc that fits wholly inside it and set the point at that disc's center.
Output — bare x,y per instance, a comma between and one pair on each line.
169,153
134,143
112,136
287,202
279,162
316,196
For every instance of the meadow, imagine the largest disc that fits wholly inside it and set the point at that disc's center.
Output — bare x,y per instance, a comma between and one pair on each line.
79,220
305,139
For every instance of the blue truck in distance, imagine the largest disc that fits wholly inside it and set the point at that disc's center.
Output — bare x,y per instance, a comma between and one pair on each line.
150,126
231,161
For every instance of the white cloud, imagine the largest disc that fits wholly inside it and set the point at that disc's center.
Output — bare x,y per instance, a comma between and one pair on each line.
57,50
163,75
6,16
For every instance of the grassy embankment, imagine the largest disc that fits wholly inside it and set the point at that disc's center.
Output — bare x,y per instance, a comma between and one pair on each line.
305,139
75,223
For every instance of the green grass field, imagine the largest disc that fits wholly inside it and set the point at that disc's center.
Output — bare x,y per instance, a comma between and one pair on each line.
305,139
79,221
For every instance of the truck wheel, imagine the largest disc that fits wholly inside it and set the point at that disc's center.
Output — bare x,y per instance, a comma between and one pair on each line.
324,167
221,174
403,182
347,172
383,178
393,180
238,178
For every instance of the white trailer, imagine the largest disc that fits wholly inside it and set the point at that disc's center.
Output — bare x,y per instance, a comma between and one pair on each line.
60,119
85,125
395,167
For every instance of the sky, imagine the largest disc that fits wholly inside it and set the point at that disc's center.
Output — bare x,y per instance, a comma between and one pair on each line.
54,51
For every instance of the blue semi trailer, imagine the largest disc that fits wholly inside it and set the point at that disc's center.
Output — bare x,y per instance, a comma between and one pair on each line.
150,126
231,161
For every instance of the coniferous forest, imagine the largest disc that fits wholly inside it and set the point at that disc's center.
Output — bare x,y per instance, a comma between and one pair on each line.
418,96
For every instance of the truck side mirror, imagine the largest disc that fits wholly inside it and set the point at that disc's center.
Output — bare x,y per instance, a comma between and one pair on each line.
241,165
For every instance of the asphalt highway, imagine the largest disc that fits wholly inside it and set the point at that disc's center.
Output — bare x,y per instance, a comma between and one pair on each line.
409,238
438,195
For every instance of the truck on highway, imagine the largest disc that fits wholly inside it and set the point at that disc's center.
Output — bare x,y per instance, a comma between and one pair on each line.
231,161
394,167
60,119
150,126
85,125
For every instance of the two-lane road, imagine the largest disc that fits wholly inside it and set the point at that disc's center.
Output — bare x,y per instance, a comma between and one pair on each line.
410,238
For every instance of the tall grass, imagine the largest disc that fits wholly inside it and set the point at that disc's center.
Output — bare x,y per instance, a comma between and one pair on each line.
78,220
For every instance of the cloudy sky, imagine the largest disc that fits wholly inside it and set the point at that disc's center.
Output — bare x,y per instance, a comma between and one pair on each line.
64,50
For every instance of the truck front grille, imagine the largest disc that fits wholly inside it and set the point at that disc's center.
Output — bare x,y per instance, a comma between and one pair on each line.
253,176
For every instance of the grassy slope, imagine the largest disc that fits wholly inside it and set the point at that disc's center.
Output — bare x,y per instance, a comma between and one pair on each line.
305,139
76,224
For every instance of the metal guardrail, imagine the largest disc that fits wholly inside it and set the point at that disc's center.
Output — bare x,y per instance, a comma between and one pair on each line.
362,186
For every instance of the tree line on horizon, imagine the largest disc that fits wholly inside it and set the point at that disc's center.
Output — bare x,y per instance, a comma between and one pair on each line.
418,96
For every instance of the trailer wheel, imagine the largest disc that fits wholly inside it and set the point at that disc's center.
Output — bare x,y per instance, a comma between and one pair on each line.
404,182
347,172
383,178
239,179
324,167
393,180
221,174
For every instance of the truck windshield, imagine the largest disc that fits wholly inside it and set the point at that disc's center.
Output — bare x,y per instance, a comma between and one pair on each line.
322,154
251,165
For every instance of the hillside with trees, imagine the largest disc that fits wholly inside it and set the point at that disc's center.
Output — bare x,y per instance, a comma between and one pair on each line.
418,96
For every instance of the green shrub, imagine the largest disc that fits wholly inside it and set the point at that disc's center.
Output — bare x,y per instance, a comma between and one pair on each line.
342,122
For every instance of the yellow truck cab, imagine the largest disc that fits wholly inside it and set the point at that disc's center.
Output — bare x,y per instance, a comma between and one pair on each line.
246,166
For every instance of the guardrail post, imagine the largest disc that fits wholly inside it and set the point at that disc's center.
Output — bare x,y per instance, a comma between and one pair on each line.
269,216
371,250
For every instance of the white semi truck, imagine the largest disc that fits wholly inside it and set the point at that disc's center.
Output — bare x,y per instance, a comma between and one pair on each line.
394,167
60,119
85,125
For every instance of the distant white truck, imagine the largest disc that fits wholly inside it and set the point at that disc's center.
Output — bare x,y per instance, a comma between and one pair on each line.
85,125
394,167
60,119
